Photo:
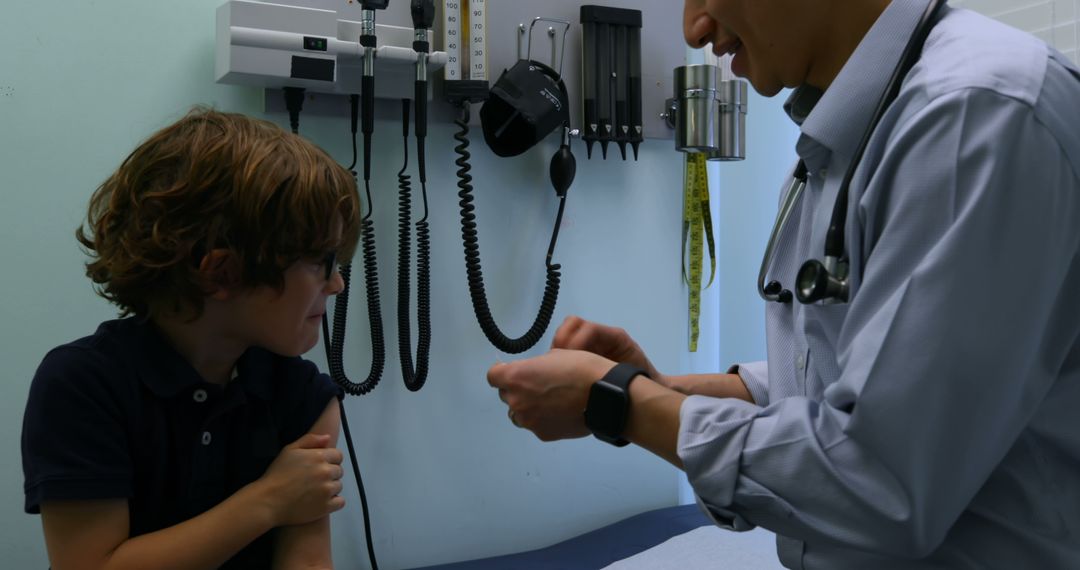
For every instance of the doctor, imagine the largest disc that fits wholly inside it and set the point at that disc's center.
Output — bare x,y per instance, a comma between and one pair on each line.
931,420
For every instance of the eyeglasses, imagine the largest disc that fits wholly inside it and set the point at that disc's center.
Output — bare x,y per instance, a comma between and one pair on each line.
330,264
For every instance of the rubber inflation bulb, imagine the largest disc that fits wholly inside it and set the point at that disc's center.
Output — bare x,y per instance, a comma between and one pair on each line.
563,169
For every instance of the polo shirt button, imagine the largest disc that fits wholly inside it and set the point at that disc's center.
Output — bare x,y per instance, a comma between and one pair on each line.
800,362
206,438
199,395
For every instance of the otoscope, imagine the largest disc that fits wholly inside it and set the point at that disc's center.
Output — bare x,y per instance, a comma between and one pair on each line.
336,342
367,226
423,15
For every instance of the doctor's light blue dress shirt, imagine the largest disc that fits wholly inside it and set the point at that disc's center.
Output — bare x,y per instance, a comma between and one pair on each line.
934,420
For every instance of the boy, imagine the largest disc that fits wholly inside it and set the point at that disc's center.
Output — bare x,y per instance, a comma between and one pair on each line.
190,431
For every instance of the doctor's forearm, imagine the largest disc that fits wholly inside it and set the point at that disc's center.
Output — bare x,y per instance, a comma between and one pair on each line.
653,422
712,385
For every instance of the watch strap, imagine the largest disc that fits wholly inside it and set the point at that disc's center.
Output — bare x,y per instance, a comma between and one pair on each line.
608,407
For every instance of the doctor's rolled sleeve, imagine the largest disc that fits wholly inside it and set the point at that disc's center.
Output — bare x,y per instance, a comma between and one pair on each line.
755,376
948,436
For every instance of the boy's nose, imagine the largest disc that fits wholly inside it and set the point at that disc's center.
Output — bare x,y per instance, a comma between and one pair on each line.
336,284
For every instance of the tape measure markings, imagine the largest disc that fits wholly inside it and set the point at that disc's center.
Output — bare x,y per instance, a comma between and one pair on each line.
697,220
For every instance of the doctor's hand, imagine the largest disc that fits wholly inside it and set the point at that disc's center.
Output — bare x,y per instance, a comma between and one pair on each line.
612,343
547,394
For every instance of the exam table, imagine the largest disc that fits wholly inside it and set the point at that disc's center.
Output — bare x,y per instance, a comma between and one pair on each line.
676,538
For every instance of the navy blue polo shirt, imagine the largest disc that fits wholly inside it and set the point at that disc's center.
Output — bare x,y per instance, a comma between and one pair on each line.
121,415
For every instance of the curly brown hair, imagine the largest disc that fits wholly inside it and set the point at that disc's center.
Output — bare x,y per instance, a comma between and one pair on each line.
214,180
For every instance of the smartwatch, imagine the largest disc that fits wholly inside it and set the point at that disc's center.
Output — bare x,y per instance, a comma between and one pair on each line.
609,404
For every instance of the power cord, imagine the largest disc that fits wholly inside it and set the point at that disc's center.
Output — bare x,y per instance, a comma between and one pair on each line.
371,281
378,347
414,379
294,100
423,15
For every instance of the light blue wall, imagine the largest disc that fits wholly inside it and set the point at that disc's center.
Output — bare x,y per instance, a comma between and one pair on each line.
744,197
82,83
747,197
448,478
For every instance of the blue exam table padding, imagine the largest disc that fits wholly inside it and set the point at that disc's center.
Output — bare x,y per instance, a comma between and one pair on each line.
598,548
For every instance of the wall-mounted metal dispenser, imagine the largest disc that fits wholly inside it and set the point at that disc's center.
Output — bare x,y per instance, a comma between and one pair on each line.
708,112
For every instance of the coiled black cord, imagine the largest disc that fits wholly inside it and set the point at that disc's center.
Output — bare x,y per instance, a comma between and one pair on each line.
341,308
371,281
470,239
414,379
294,99
335,344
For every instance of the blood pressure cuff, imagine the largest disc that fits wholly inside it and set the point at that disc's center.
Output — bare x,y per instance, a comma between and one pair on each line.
525,105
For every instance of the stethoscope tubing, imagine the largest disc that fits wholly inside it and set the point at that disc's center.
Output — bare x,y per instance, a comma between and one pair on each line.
794,191
834,241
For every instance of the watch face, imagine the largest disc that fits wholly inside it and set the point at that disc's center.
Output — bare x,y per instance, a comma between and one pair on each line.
605,414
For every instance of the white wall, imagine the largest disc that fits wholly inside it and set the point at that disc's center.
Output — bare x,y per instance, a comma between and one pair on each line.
1057,22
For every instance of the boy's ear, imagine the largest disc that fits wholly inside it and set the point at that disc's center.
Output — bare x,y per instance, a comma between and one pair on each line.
220,270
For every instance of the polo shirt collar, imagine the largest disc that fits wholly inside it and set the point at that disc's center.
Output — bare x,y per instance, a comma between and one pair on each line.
837,118
254,371
166,373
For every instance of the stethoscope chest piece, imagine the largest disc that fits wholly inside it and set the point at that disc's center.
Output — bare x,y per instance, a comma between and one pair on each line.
827,281
816,281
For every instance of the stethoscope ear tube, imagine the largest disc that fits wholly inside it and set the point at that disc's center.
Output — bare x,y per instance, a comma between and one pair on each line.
828,281
774,291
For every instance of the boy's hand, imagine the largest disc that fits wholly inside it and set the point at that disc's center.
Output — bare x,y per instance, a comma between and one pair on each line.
304,481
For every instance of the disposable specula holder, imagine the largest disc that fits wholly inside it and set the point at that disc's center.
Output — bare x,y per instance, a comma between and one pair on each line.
611,78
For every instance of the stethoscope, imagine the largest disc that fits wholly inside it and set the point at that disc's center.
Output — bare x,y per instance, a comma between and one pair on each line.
827,280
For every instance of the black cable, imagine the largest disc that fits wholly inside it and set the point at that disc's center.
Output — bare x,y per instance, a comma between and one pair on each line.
354,103
834,237
471,244
359,485
371,276
341,304
414,379
294,103
335,344
294,100
352,459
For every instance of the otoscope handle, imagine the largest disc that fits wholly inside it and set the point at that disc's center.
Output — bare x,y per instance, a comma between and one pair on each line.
368,65
367,112
420,94
367,118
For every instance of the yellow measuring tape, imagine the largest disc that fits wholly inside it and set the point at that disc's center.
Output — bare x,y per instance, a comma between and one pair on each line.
697,220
